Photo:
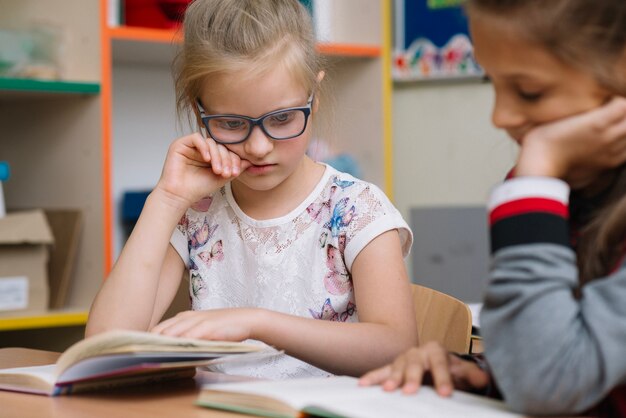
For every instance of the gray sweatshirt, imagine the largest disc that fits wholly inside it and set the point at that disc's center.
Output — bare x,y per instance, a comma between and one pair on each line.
550,353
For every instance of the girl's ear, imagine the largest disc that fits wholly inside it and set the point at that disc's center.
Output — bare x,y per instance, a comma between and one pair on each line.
320,76
316,102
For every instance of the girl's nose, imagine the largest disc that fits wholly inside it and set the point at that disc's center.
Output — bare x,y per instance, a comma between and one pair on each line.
258,144
506,114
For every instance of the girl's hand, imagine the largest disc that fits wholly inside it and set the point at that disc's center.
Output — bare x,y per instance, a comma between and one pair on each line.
432,361
195,167
234,324
578,148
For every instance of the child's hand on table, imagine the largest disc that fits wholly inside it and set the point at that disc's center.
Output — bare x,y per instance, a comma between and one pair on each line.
232,324
425,363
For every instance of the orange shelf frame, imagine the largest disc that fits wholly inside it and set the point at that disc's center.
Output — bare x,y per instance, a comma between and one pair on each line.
350,50
173,35
131,33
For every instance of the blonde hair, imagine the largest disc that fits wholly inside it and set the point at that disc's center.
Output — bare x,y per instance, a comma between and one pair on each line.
247,36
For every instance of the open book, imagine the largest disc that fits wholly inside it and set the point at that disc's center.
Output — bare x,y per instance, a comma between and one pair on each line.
121,358
341,397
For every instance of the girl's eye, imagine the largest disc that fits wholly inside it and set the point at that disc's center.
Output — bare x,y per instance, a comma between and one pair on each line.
529,96
281,118
232,124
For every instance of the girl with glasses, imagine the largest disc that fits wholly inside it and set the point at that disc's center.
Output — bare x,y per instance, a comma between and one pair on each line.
279,248
554,316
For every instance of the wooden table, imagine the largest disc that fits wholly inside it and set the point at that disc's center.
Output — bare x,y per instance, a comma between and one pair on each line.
168,399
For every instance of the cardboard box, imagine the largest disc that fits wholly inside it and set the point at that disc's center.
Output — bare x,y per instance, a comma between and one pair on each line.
24,241
66,225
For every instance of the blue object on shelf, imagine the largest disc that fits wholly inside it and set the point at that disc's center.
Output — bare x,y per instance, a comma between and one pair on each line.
5,172
345,163
132,205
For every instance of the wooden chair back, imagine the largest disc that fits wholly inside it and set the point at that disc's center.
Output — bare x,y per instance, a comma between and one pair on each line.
442,318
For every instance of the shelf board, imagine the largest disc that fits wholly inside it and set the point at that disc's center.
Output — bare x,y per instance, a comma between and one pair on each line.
15,86
350,50
30,320
130,33
133,45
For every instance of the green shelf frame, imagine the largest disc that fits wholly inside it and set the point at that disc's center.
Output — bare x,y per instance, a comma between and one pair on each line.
45,86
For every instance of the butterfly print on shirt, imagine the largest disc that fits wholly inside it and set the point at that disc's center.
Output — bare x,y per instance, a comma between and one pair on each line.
200,234
202,205
216,253
320,211
328,313
198,286
337,281
342,183
341,217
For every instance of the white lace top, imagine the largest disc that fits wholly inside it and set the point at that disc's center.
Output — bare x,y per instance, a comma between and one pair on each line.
297,264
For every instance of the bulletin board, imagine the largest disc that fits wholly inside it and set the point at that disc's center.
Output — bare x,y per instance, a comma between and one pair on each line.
431,41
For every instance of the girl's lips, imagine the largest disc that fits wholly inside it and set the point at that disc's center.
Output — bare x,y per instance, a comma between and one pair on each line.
260,169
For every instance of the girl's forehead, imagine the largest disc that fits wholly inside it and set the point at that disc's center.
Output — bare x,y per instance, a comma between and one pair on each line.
252,95
503,49
274,78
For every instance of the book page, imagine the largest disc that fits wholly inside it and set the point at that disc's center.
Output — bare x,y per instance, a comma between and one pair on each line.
123,341
35,379
109,365
343,397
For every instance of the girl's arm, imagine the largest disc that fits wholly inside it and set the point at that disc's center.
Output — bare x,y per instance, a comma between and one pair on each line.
386,319
550,352
147,274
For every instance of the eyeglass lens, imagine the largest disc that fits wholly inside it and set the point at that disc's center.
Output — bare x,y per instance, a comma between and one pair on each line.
283,125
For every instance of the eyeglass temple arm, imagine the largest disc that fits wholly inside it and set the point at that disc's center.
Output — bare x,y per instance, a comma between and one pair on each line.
200,108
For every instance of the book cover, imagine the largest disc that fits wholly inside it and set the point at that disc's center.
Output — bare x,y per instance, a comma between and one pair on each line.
123,358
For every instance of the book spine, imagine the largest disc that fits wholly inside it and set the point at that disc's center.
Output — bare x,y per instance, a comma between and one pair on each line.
141,379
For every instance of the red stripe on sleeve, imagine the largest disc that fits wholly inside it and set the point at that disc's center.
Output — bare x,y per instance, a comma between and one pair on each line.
528,205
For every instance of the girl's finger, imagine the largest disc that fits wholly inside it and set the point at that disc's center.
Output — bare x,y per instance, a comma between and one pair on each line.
440,372
186,147
225,160
180,327
201,145
375,377
413,376
611,113
235,164
396,377
215,156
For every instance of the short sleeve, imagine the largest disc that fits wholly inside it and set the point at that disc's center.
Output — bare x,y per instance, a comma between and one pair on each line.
179,242
375,216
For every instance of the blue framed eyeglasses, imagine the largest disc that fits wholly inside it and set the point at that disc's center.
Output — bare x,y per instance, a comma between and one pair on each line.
279,125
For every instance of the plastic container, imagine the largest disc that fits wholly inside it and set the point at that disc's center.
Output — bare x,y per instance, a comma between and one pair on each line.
5,173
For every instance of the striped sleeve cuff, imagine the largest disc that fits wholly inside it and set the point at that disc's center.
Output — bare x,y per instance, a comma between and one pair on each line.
527,210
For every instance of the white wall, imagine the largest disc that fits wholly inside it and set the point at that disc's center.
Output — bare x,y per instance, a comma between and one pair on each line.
446,153
144,125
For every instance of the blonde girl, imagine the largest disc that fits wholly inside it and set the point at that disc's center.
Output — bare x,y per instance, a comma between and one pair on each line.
279,248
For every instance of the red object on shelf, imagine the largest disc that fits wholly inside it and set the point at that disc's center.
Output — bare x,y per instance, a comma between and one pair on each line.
154,13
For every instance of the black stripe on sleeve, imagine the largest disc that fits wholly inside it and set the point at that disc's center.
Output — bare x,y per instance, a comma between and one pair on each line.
529,228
